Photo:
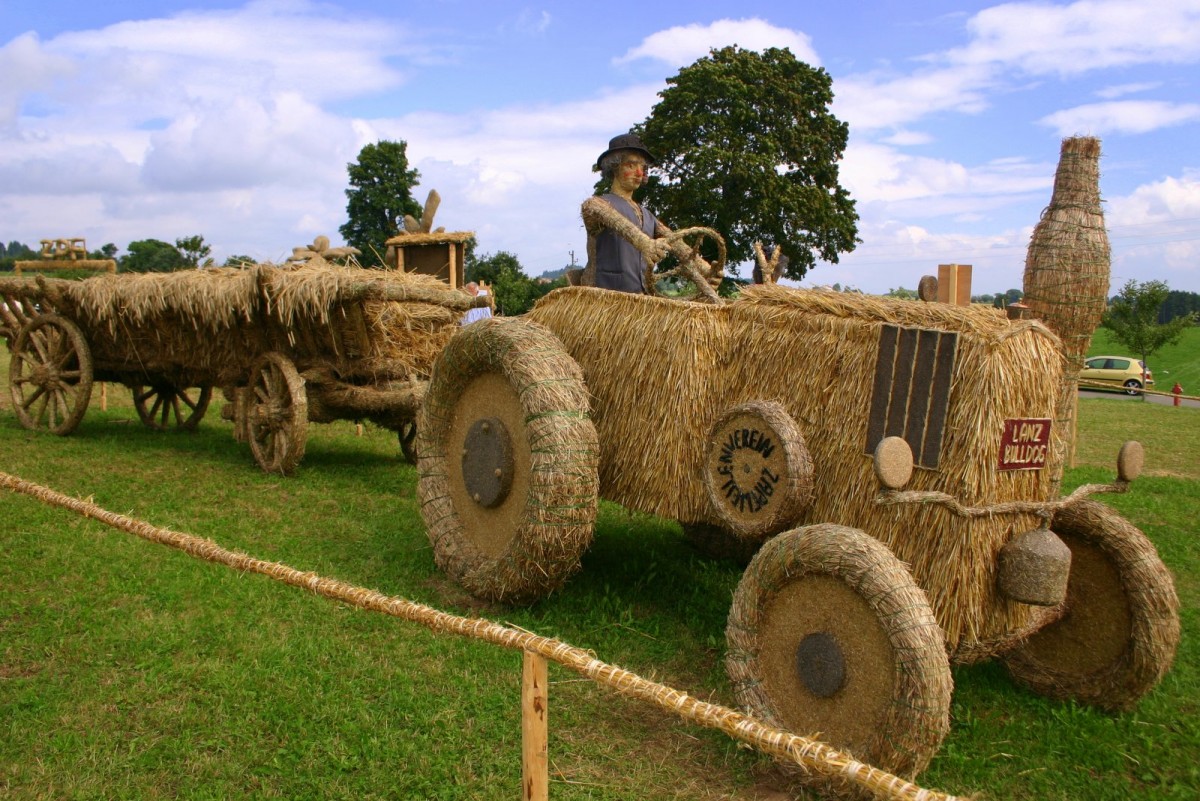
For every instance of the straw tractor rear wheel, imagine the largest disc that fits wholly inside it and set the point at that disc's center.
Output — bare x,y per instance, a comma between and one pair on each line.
163,406
275,414
50,375
507,457
830,636
1118,635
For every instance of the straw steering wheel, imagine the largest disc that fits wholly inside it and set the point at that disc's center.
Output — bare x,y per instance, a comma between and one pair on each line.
693,266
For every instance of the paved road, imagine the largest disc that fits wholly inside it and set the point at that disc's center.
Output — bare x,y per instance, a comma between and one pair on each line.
1162,400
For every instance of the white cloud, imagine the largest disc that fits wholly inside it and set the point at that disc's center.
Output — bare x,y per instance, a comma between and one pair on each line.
1121,116
27,69
877,100
1041,38
1123,89
684,44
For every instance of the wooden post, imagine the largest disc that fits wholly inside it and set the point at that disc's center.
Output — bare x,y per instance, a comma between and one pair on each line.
453,268
103,396
954,284
535,748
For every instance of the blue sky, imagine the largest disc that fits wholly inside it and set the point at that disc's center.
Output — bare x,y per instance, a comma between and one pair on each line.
236,120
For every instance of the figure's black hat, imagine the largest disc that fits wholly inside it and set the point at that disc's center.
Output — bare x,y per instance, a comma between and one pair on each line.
626,141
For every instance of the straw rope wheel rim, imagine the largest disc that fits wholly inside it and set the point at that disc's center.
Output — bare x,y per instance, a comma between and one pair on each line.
50,375
757,470
508,461
830,636
162,406
275,414
1118,635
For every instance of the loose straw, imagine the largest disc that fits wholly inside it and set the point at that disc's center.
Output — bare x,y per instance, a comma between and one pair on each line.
814,758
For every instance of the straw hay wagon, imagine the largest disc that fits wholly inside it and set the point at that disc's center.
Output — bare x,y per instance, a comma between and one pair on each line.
288,344
900,461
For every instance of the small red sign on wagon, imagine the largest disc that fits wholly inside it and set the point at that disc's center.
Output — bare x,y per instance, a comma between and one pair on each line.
1025,444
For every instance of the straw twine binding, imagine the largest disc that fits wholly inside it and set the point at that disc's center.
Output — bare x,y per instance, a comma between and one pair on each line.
811,755
553,502
204,327
915,713
1136,616
660,372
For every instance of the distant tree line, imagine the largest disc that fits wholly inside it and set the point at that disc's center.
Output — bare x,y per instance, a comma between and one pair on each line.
1178,304
143,256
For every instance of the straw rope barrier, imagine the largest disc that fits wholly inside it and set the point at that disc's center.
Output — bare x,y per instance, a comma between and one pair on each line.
814,758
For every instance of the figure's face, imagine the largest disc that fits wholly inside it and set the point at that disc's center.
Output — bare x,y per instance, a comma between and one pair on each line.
632,172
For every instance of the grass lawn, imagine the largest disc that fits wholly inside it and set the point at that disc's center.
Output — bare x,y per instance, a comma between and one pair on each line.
128,670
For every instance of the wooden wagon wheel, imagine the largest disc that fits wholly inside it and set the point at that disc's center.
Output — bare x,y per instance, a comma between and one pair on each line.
50,374
275,414
1118,635
508,461
163,406
829,635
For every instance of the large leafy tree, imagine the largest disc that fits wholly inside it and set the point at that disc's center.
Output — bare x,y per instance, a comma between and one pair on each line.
152,256
1132,317
379,196
193,249
746,144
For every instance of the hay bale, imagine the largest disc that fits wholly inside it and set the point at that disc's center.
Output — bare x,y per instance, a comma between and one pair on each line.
664,371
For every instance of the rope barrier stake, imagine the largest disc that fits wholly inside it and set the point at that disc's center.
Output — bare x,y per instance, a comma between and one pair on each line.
535,731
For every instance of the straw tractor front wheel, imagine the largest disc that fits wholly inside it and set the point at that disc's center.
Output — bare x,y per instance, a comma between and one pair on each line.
830,636
1118,634
507,457
163,406
275,414
50,375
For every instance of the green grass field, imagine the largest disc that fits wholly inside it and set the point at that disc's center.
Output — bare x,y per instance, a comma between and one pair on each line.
131,671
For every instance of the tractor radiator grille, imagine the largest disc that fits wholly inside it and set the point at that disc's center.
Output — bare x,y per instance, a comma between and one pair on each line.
912,390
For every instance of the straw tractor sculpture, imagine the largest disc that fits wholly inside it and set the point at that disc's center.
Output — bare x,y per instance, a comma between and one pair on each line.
901,495
289,345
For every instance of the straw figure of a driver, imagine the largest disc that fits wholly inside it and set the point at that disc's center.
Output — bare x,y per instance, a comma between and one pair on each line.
624,237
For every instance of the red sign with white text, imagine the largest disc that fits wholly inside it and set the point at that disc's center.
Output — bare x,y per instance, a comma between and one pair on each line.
1025,444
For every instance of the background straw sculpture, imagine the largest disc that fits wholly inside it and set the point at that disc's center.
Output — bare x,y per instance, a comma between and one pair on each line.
1067,266
662,372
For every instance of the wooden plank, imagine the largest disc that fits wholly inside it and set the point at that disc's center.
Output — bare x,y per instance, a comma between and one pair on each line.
535,741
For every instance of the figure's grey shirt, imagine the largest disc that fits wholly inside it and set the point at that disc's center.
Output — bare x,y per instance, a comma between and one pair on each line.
619,265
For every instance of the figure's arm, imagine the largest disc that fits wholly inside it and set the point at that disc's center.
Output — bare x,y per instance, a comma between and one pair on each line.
598,215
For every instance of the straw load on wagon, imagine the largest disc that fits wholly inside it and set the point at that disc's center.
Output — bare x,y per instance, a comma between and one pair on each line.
368,325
